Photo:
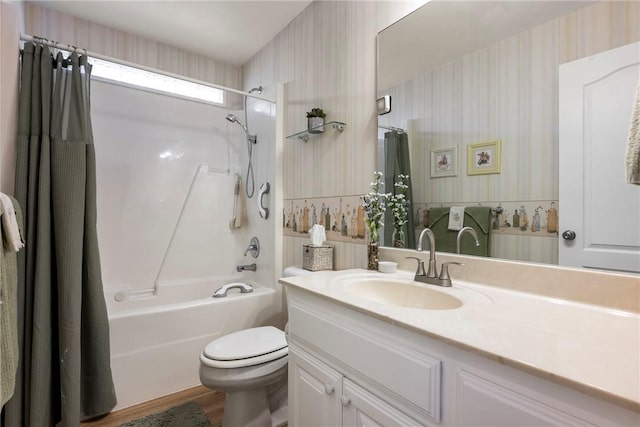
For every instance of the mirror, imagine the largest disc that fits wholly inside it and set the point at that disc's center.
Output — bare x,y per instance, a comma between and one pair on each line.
469,79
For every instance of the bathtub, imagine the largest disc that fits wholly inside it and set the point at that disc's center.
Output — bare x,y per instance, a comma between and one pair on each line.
156,340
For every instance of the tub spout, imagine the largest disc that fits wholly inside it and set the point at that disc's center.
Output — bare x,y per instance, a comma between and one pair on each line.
222,291
246,267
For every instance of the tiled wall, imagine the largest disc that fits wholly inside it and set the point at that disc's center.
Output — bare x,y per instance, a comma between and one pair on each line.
327,57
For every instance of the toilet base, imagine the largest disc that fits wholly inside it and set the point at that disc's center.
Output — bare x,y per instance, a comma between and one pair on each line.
248,408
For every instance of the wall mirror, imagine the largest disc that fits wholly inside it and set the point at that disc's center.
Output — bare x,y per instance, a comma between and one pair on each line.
475,88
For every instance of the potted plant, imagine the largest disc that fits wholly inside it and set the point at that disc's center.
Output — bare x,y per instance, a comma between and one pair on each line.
375,205
315,120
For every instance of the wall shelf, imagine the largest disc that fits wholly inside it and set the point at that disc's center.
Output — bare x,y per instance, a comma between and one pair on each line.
304,135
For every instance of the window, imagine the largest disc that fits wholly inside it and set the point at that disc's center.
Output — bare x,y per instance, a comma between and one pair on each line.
156,82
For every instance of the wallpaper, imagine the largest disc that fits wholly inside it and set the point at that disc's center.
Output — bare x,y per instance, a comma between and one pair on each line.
119,44
327,58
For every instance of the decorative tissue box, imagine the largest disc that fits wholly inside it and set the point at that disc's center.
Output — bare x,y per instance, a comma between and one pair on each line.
316,258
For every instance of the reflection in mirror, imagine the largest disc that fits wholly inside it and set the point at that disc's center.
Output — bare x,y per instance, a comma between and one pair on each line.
475,87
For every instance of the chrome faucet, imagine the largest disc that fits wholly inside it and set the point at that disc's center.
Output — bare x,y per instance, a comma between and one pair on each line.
431,271
431,277
246,267
250,248
469,230
253,248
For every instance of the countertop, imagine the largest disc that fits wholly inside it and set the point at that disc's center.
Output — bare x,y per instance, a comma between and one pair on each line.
590,348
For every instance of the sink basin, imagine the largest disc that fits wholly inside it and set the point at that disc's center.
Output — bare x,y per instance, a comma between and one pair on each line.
403,294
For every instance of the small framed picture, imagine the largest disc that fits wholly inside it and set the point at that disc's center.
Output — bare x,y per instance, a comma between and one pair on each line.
444,162
483,158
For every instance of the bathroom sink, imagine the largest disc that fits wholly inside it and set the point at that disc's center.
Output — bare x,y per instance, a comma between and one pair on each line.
403,294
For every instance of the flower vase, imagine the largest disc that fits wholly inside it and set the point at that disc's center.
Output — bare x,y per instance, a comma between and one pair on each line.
398,238
372,256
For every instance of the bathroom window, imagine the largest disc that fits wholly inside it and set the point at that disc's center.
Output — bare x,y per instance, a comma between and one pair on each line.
136,78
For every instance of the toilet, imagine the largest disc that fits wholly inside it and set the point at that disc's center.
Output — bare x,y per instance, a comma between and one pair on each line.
246,365
250,366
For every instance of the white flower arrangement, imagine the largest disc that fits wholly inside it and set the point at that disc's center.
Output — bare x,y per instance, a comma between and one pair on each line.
375,205
399,202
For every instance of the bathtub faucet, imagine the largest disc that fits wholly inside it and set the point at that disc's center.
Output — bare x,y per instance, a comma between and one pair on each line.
246,267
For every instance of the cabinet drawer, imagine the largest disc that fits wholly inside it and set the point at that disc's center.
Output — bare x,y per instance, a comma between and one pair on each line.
411,375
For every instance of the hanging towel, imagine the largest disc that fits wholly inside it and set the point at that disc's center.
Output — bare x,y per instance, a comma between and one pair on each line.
11,234
239,206
633,144
8,312
477,217
456,218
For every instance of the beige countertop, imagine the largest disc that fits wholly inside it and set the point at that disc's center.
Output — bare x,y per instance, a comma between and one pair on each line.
588,347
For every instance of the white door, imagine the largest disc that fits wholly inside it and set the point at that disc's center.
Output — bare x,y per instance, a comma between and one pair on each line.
600,212
314,392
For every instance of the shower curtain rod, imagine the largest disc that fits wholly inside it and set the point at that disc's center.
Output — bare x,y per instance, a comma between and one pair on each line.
392,128
68,47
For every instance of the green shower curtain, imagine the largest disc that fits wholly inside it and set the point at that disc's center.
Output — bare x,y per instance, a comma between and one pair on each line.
397,162
64,373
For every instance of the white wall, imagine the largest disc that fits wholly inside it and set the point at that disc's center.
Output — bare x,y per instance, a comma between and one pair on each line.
165,175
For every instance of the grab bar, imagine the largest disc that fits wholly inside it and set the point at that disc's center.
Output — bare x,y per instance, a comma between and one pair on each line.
221,292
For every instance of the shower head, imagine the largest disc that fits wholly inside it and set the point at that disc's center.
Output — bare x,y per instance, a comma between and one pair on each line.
234,119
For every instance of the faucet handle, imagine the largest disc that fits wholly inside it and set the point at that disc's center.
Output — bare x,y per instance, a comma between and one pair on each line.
444,271
420,270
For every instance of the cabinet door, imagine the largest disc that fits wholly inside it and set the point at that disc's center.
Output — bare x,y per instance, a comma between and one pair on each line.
314,391
361,408
482,401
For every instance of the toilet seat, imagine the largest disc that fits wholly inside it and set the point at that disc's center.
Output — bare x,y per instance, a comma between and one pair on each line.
244,348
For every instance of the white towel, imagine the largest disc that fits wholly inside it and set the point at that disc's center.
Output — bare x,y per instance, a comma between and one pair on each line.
13,241
633,144
456,218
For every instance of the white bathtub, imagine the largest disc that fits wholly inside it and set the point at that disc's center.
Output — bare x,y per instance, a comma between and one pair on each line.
156,340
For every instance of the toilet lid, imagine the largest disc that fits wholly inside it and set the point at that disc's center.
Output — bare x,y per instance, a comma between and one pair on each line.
246,344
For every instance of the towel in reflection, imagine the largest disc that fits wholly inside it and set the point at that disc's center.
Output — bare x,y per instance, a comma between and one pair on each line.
476,217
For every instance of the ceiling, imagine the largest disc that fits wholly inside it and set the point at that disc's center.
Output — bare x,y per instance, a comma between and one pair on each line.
231,31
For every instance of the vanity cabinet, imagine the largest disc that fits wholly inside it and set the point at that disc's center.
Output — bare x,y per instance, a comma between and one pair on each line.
484,400
362,408
314,391
349,367
321,396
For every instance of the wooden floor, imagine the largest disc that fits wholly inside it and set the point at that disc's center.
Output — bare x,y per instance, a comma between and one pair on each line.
211,402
